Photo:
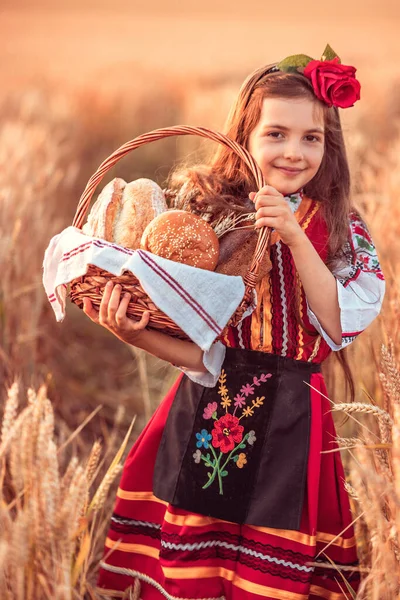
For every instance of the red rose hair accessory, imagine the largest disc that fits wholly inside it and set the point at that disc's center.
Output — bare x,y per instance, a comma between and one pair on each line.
333,83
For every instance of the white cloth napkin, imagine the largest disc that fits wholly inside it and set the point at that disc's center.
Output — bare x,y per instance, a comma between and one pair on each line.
200,302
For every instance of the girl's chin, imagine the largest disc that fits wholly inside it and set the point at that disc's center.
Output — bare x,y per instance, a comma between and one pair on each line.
284,187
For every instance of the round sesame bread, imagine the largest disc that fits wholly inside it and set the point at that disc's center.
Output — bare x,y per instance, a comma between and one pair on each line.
183,237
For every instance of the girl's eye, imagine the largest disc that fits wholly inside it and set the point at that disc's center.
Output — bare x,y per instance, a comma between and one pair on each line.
275,134
312,138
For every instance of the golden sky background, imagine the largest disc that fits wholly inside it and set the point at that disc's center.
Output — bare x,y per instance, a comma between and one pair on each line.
118,44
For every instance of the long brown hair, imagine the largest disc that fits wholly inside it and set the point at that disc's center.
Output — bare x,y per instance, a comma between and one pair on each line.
227,181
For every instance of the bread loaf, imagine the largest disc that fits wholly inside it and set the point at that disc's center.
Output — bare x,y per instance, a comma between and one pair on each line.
105,210
142,201
123,210
237,248
183,237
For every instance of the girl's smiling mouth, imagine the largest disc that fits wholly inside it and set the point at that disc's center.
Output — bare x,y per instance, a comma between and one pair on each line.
289,170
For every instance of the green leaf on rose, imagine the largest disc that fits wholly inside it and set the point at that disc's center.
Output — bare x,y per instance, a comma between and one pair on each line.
291,64
235,458
224,473
242,446
329,54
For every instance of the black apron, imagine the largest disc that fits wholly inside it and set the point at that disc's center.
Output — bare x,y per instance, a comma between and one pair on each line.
239,451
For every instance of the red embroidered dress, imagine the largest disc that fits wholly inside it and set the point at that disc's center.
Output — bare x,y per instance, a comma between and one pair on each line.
169,552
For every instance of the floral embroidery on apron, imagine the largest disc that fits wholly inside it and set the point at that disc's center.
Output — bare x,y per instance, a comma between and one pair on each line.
226,434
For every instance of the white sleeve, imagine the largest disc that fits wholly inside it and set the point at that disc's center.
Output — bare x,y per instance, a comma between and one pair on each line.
360,285
212,360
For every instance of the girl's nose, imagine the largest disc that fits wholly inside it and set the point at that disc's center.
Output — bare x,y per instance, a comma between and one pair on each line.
293,151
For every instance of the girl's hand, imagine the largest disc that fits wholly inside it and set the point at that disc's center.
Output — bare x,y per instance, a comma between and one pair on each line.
112,314
274,211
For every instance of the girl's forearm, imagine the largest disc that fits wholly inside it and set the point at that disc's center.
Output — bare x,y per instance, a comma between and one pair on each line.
173,350
320,287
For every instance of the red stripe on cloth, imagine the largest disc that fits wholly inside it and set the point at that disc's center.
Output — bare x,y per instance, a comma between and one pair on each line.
181,291
351,334
102,244
73,251
99,244
86,246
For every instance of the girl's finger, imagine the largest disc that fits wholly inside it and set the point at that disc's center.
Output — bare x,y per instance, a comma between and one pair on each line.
113,303
268,190
103,310
120,315
144,321
269,211
263,200
89,310
268,222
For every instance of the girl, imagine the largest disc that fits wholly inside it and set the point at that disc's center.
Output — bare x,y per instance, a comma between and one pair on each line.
229,491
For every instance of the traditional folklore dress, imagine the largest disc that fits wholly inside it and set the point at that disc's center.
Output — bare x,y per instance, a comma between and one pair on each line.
229,493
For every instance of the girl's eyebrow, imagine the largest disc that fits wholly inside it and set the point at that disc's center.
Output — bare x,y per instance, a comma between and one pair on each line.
275,126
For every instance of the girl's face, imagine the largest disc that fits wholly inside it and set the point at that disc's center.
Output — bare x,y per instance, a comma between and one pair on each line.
288,142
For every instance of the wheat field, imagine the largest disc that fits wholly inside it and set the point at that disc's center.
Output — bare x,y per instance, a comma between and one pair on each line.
68,415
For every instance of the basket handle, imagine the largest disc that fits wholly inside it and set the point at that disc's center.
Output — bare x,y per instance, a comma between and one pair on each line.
250,278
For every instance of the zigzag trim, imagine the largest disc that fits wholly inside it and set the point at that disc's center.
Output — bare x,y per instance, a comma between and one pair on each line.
117,519
243,549
283,298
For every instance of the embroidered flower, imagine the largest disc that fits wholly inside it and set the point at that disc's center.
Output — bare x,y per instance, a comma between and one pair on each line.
223,390
251,438
225,402
247,389
203,438
263,378
239,401
209,410
227,433
248,412
241,461
197,457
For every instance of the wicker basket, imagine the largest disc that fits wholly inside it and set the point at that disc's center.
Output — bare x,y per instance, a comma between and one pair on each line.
92,284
